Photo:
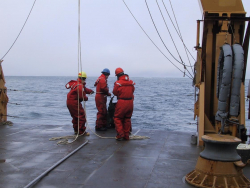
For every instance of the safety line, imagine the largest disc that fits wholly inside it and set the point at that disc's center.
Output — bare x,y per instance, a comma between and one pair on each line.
65,141
20,31
79,62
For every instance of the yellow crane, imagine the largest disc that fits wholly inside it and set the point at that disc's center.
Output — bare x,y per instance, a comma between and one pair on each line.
223,23
220,104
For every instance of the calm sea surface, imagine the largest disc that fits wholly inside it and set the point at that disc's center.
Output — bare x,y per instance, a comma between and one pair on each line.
160,103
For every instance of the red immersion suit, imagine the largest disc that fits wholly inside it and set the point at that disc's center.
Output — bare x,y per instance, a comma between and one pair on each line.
102,91
72,103
123,89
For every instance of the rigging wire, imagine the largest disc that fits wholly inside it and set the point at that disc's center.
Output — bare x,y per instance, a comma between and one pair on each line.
172,37
20,31
179,34
162,39
168,31
151,39
79,66
65,138
159,33
78,60
179,31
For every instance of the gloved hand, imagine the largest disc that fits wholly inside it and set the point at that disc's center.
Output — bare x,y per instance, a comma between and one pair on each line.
92,92
85,98
109,94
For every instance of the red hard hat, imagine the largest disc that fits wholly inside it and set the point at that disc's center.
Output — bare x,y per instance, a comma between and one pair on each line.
118,71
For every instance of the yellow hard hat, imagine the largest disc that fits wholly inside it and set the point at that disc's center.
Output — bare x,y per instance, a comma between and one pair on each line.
82,75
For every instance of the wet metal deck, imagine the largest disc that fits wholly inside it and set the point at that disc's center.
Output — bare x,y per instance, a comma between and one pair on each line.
159,162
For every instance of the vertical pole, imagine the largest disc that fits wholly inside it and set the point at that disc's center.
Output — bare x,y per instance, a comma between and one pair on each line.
201,114
198,34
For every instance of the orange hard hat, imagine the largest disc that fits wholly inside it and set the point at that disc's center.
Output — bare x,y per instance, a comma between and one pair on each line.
118,71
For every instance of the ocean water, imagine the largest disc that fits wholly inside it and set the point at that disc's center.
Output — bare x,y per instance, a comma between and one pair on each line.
160,103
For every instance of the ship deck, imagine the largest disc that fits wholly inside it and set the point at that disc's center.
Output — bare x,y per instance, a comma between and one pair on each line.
159,162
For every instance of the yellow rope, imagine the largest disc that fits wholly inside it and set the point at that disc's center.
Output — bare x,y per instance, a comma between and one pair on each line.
137,137
65,138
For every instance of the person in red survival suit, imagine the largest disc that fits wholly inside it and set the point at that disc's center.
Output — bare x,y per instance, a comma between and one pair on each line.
102,91
124,90
75,96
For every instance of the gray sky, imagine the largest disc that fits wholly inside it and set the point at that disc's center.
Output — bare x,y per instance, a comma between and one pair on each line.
110,37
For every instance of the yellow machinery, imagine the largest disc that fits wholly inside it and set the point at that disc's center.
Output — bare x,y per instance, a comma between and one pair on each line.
224,40
3,96
224,22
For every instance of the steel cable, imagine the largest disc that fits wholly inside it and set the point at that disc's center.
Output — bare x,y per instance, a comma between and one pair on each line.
163,41
173,39
159,33
151,39
179,34
179,31
20,31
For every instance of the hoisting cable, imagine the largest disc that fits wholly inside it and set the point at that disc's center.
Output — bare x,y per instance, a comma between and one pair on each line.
177,26
167,29
79,68
152,40
170,33
20,31
179,33
172,38
161,37
65,138
55,165
159,34
163,41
